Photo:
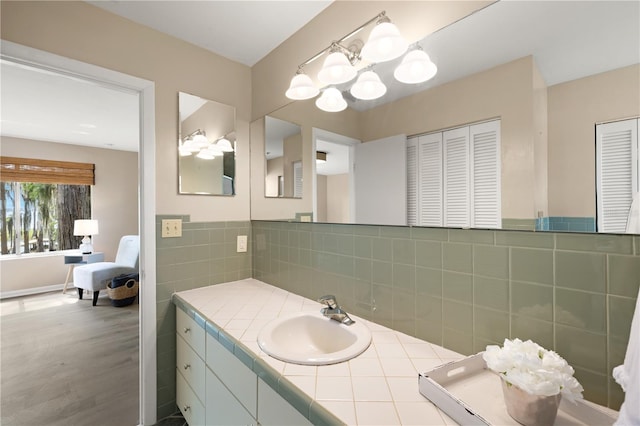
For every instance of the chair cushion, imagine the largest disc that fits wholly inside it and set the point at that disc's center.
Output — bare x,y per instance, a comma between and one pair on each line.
96,276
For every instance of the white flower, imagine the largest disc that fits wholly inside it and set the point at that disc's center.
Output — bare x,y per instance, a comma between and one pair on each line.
533,369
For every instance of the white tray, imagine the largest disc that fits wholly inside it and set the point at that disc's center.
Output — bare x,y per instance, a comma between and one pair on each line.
472,395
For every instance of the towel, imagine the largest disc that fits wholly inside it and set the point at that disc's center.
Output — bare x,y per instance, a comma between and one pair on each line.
628,375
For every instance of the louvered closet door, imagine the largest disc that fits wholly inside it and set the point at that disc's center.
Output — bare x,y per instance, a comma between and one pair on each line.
456,178
430,180
297,179
412,181
616,173
485,175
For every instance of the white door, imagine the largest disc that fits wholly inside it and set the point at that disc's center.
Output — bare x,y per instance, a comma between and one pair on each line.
380,181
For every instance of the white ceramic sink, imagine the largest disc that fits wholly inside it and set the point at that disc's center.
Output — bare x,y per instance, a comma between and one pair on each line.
310,338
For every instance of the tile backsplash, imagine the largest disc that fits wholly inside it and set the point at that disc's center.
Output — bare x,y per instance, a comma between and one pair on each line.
464,289
204,255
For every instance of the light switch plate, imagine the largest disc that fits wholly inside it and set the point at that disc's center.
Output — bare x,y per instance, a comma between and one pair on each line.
242,244
171,228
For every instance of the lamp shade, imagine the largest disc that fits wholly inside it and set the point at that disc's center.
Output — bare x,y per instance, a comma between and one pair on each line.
336,69
385,43
205,154
301,88
331,100
84,227
368,86
225,145
200,141
416,67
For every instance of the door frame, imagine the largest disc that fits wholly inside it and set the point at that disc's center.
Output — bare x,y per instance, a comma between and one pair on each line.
146,215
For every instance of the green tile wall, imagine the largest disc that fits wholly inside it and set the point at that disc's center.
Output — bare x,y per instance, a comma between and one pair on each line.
204,255
464,289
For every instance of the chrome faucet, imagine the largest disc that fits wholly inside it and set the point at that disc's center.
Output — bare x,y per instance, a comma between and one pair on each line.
334,311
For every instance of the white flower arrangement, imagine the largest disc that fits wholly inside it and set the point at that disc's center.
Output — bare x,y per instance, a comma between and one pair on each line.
533,369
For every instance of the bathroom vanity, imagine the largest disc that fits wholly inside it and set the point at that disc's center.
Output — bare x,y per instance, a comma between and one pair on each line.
223,377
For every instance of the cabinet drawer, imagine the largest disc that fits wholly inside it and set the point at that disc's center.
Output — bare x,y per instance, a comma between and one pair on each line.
192,333
239,379
191,366
221,407
190,406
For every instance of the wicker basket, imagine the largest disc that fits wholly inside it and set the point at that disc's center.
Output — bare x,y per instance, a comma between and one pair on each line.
123,290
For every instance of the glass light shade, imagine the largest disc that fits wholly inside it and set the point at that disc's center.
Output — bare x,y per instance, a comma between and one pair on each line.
190,146
368,86
205,154
225,145
184,152
336,69
200,141
301,88
331,100
416,67
214,149
385,43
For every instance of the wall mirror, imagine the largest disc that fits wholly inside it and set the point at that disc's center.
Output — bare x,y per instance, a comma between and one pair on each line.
548,106
283,158
206,146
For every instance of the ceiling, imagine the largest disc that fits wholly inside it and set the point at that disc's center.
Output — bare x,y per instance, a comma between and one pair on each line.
44,106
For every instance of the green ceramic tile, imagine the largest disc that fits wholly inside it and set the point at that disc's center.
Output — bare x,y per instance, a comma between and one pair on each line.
304,239
519,224
525,328
491,261
616,395
595,385
457,316
457,257
491,293
581,271
345,266
429,254
404,277
383,303
343,228
362,291
404,312
471,236
480,343
382,249
382,272
457,286
429,319
524,239
372,231
581,348
404,251
616,350
435,234
604,243
636,245
580,309
621,311
330,243
362,247
457,341
532,265
624,275
532,300
428,281
363,269
395,231
489,324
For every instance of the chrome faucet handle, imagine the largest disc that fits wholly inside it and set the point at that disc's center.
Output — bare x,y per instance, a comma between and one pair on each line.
329,300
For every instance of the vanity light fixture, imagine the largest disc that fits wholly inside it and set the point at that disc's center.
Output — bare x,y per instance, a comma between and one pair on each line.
224,144
321,157
385,43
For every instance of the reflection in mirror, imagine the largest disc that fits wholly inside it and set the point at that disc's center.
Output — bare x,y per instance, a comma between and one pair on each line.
206,160
283,155
547,91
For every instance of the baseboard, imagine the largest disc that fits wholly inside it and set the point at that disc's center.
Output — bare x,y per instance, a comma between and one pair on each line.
34,290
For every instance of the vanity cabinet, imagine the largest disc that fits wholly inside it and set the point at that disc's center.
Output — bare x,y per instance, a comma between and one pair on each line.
190,368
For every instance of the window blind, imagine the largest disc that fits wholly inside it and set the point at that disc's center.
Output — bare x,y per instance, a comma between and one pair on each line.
14,169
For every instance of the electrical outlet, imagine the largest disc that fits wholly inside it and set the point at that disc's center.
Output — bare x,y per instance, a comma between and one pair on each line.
171,228
242,244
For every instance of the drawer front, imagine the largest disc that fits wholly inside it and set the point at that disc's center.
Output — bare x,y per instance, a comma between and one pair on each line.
240,380
191,408
191,332
191,366
221,407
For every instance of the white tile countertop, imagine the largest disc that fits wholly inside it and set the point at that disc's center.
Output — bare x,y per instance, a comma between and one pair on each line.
378,387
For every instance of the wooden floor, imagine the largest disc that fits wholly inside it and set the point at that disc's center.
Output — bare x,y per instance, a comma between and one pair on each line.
65,362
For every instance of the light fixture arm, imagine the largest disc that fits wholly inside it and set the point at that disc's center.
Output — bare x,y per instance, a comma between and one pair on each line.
195,133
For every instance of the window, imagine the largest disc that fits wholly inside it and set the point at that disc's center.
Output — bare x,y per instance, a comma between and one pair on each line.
454,177
40,201
616,173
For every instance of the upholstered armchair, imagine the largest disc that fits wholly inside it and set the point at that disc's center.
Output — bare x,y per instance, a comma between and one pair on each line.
96,276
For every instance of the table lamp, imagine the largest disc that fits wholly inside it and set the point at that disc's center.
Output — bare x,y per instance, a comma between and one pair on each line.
86,228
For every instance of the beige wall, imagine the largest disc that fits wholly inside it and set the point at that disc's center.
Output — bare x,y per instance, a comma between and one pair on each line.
574,108
114,203
321,192
292,152
86,33
337,198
